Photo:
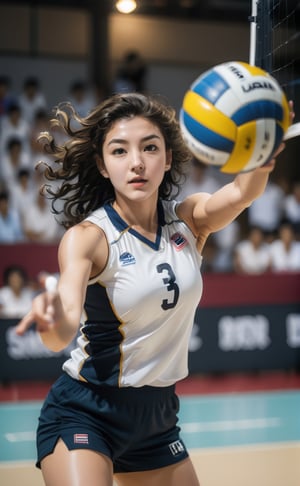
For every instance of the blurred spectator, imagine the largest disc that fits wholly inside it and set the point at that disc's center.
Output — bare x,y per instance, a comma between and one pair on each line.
41,123
285,250
252,255
6,98
199,179
39,224
10,224
23,191
15,295
266,211
292,208
131,75
31,100
13,159
209,256
225,241
81,98
13,125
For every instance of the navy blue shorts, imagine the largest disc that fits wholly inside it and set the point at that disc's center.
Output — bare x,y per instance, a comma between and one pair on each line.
135,427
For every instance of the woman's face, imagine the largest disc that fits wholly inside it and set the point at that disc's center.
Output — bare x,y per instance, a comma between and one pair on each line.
135,158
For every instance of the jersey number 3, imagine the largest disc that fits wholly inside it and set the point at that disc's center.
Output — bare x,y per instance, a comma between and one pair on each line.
172,286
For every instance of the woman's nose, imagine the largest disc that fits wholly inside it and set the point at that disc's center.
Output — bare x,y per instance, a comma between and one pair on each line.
136,161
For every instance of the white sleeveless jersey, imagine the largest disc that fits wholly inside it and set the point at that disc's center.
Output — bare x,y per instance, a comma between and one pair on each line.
140,309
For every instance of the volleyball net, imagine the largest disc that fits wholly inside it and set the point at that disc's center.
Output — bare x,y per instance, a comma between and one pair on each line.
275,47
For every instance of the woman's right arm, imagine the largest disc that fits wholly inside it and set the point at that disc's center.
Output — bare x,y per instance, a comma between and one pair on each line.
57,312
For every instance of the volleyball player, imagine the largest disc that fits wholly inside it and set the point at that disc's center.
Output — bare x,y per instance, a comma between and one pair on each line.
130,265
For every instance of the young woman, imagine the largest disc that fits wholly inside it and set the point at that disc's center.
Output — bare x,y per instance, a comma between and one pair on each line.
130,272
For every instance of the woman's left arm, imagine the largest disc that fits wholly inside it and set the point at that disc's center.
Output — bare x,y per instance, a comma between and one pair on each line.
207,213
227,203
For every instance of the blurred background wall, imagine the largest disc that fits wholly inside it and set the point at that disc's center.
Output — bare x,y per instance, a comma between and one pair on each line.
57,44
63,43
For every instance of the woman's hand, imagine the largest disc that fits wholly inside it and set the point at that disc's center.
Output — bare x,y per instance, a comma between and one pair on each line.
44,313
269,166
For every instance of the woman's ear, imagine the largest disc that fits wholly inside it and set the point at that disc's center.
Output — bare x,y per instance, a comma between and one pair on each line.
101,166
168,160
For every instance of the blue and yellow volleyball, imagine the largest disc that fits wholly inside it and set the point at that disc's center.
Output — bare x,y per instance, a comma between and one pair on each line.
234,117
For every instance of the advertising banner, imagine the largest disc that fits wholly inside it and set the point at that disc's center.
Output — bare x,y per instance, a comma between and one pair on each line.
243,323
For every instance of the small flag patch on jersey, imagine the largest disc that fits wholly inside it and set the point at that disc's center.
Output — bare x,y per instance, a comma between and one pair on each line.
178,241
127,259
81,438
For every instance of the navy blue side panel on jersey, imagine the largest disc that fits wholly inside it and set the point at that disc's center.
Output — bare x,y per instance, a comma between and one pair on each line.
103,338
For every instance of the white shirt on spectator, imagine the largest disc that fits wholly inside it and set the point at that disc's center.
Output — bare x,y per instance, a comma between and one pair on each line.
292,209
39,221
30,107
9,171
266,211
13,306
11,227
21,130
253,260
22,198
283,260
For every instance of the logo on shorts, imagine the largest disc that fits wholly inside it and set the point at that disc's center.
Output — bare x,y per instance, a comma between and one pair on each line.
81,439
176,447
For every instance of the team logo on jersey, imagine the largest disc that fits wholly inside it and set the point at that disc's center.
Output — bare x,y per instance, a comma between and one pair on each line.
81,439
176,447
178,241
127,259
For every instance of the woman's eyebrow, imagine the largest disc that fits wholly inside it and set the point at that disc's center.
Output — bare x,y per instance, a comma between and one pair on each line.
123,141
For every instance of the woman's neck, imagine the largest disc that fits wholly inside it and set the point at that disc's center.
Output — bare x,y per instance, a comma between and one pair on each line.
138,215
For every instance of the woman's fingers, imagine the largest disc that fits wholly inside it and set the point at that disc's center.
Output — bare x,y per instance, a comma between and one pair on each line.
42,314
24,324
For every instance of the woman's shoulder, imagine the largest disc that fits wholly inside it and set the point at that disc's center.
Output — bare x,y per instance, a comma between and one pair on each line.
82,238
85,229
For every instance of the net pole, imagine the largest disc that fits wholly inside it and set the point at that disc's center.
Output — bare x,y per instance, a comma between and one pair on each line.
253,26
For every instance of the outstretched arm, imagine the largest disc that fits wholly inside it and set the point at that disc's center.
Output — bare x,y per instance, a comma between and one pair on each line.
57,312
207,213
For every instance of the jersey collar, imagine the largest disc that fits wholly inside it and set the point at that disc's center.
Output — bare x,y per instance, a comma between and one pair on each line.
121,225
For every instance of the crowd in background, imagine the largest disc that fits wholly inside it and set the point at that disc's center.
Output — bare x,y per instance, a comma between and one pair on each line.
25,215
272,238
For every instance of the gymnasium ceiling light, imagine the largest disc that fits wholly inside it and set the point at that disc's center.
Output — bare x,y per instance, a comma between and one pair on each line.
126,6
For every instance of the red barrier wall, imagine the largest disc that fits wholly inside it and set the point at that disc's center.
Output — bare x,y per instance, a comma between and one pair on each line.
33,257
219,289
222,290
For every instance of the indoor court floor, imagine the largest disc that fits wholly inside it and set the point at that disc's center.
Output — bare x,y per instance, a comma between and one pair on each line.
237,435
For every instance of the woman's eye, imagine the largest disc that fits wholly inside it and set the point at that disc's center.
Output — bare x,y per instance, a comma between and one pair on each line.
118,151
151,147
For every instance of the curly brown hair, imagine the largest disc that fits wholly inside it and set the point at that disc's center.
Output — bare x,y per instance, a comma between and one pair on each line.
83,189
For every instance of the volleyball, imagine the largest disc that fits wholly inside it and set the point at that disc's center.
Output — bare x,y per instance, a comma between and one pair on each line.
234,117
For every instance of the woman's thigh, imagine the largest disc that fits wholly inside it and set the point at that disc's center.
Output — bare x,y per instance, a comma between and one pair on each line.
79,467
175,475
